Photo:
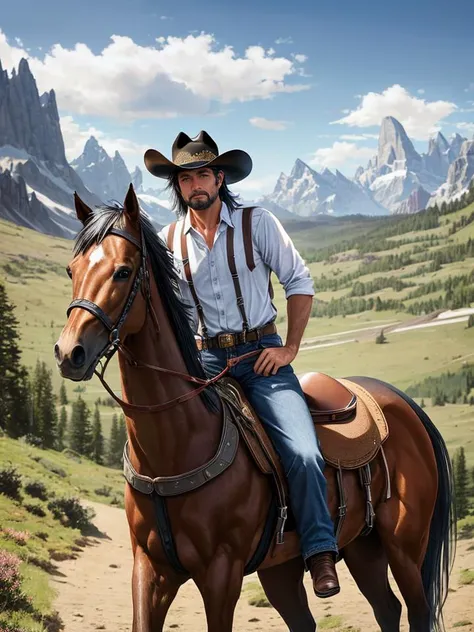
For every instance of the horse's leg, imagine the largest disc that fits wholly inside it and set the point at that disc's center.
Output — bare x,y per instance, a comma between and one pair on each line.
368,564
220,584
283,585
152,594
404,541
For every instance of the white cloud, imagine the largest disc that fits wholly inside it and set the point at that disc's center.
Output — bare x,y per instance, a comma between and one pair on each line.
284,40
177,76
357,136
75,138
18,41
339,154
421,91
269,124
255,186
300,58
419,117
466,127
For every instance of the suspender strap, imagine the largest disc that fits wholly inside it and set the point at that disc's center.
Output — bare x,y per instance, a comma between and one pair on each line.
170,238
189,278
235,276
247,235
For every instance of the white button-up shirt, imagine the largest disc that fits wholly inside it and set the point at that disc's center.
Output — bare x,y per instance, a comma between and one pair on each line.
273,250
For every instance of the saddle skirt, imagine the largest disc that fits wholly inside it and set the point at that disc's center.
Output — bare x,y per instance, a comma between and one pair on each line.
349,423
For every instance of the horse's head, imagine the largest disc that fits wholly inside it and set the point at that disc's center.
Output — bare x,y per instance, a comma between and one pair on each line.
108,271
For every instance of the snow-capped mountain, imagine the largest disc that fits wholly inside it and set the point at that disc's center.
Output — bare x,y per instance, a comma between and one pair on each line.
460,174
109,179
307,193
37,183
399,178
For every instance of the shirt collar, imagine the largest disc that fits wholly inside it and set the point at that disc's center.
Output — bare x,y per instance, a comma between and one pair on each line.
225,216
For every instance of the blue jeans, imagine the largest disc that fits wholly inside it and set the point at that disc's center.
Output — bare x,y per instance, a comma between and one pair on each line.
279,402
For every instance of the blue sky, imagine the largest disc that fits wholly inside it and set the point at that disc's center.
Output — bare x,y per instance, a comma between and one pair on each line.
282,80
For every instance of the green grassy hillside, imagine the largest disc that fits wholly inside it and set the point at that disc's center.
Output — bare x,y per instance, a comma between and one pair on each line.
41,540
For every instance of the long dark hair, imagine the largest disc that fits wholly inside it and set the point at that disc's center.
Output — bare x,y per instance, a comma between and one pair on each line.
179,205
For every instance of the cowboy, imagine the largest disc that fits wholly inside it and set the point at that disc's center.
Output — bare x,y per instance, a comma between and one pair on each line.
235,313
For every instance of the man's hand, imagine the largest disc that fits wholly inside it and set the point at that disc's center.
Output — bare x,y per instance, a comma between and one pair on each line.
271,359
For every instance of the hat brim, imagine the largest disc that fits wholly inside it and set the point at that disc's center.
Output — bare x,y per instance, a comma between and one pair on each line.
236,164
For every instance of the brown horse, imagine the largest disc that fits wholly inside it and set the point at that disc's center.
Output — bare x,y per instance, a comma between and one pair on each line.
124,289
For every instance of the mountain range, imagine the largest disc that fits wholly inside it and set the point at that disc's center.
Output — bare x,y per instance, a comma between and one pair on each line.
37,182
396,180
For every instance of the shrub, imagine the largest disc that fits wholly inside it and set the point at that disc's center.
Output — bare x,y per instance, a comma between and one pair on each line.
19,537
36,510
11,594
103,491
10,483
37,489
71,513
7,627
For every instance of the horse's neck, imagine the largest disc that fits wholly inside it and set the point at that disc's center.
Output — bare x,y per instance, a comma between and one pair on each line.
180,438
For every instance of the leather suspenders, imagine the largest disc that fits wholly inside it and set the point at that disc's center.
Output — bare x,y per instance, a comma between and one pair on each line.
248,246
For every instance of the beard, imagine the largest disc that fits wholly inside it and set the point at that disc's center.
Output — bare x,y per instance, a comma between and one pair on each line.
203,203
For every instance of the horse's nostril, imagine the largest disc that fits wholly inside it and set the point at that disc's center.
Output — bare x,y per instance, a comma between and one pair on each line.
56,351
78,356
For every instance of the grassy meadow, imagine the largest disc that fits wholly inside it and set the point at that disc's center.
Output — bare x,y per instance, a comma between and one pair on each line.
40,540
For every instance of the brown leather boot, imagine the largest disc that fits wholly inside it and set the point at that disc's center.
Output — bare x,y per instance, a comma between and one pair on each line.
323,571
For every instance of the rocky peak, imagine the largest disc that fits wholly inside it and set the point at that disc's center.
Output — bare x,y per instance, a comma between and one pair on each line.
137,179
395,146
438,144
301,170
107,177
27,121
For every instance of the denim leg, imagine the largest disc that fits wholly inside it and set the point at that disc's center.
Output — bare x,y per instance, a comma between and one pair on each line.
280,404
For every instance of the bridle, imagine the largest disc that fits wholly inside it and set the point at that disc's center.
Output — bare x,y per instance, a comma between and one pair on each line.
114,344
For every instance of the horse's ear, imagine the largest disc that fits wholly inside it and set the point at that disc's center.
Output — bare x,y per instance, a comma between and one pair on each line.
83,212
132,209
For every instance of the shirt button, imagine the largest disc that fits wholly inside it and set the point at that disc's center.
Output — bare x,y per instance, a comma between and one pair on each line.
218,295
222,312
212,263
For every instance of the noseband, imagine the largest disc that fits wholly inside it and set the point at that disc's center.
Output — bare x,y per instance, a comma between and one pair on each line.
114,343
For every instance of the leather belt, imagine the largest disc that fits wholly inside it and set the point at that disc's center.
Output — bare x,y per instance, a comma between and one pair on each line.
225,340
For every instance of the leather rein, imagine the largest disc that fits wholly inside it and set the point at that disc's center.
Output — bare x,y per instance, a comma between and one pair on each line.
114,344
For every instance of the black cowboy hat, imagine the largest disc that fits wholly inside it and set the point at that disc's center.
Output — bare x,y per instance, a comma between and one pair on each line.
193,153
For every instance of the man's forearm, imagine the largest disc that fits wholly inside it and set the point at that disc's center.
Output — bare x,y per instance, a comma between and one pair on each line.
298,310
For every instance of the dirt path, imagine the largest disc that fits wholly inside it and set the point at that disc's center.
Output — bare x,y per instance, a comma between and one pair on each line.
94,593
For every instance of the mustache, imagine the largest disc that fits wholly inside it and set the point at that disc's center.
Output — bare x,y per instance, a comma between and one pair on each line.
199,193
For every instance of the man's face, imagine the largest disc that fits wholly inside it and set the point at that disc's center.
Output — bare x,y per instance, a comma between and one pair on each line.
199,187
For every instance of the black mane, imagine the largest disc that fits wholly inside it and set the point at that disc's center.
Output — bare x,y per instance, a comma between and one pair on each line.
166,279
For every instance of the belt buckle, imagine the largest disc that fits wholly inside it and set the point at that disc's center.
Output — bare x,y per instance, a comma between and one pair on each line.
225,340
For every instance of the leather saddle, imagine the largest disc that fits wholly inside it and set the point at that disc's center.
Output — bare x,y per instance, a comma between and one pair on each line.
350,424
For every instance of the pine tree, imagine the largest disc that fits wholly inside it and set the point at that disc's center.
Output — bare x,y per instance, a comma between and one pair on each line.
460,483
63,400
14,402
114,451
62,429
97,451
81,431
45,417
122,434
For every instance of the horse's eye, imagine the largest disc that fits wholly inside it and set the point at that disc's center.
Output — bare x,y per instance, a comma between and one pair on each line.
69,273
122,274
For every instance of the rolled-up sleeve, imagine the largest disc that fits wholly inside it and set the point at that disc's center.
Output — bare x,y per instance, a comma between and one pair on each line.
278,252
